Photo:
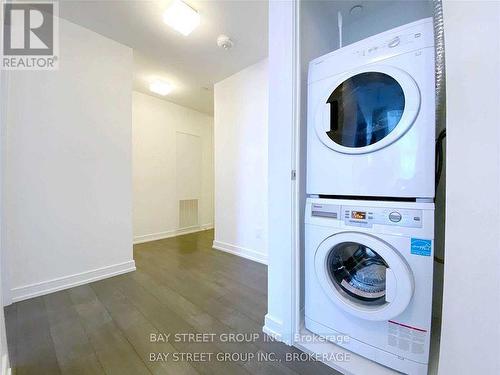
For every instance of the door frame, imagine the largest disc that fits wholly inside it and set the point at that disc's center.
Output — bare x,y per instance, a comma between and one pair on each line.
282,321
299,176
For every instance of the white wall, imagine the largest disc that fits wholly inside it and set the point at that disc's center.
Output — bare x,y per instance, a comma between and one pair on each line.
471,301
4,352
241,118
67,167
166,169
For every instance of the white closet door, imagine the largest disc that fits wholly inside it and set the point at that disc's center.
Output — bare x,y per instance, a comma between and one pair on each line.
188,171
188,166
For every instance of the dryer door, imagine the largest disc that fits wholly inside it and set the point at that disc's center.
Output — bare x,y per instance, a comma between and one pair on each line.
367,110
364,275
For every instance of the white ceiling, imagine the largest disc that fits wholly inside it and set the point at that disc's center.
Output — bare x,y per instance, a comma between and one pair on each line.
191,63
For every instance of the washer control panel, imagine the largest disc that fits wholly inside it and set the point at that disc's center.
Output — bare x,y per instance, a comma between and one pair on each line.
326,210
367,216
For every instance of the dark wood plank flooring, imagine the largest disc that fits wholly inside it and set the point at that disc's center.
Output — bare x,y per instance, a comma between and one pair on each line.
181,286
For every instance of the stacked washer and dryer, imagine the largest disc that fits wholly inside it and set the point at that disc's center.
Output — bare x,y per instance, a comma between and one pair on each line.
369,221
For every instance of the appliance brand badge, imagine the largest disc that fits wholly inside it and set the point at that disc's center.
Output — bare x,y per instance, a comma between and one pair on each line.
421,247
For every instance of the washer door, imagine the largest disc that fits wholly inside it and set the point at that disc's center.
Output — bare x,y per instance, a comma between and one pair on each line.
367,109
364,275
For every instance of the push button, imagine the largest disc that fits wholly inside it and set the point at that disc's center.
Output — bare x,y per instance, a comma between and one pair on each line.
395,217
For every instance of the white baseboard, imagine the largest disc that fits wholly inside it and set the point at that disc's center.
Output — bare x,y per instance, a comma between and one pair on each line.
170,233
65,282
240,251
6,370
272,327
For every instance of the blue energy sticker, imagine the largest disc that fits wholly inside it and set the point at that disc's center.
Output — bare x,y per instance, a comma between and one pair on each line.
421,247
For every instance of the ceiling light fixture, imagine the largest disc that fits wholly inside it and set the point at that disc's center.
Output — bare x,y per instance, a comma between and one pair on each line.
356,10
160,87
181,17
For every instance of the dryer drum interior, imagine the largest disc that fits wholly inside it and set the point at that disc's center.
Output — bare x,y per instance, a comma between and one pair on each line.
359,272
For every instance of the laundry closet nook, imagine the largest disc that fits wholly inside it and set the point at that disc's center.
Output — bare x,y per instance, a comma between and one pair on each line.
369,212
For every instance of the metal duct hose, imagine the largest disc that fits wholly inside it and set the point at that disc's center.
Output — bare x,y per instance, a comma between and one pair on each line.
440,84
440,67
440,122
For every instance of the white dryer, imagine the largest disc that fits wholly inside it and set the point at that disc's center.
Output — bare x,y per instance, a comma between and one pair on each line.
371,120
368,278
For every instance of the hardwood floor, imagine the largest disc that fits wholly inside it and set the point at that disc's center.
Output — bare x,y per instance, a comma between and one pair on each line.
181,286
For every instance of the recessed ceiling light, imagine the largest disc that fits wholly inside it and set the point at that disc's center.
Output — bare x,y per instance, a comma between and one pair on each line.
181,17
356,10
160,87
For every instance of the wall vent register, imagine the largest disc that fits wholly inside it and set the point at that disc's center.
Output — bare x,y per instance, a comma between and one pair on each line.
188,213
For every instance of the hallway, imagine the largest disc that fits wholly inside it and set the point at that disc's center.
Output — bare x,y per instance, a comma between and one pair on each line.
117,325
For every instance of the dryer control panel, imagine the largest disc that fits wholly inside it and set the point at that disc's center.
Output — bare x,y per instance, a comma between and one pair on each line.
401,42
367,216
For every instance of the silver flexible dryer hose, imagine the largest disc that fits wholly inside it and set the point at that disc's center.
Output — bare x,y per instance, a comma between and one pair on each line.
440,87
440,67
440,127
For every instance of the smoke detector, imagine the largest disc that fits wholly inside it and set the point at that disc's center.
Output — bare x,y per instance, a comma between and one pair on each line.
223,41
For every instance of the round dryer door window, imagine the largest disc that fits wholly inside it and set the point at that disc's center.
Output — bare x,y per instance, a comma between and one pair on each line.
367,110
364,275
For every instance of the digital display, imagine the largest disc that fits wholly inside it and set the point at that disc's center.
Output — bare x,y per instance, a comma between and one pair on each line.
359,215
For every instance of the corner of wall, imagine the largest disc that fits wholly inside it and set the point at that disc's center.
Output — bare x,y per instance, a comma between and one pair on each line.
273,327
256,256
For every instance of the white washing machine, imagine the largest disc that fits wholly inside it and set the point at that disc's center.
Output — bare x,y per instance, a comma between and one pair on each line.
368,278
371,120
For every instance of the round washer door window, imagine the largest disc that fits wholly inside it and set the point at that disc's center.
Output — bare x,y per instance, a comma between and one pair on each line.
367,110
364,275
359,272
